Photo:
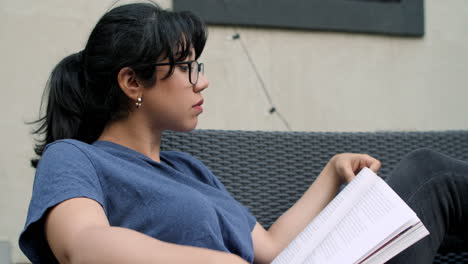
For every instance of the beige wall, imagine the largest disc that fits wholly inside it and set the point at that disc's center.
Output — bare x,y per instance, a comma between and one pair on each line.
319,81
344,82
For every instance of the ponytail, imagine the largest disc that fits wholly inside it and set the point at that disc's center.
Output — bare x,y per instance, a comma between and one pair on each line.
65,104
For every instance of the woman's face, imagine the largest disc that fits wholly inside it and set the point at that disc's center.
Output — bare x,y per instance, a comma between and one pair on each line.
174,103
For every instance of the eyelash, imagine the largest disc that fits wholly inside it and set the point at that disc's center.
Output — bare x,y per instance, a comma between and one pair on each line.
183,68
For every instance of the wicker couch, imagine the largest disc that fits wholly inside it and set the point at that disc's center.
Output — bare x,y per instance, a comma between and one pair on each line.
268,171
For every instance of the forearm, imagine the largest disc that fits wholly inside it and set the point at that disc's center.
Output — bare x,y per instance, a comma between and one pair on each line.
296,218
341,168
121,245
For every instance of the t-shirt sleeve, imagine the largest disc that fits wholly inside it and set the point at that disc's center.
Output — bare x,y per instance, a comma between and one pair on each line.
64,172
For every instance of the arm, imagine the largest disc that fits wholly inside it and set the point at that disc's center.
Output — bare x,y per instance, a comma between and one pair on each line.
341,168
78,231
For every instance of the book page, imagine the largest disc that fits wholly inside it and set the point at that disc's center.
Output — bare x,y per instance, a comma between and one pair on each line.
324,222
366,214
403,241
378,216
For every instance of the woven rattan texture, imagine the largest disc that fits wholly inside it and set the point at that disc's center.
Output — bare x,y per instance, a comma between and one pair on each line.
268,171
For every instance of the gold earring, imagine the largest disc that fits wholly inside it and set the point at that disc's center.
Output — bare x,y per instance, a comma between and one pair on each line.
138,102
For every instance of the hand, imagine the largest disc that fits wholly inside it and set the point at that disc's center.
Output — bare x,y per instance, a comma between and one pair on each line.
346,165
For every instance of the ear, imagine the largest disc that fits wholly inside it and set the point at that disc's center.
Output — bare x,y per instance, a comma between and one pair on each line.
129,84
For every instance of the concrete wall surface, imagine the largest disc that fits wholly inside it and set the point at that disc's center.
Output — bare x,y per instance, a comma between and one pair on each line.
319,81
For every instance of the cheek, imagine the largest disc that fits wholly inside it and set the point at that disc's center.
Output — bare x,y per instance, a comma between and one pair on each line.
168,106
170,99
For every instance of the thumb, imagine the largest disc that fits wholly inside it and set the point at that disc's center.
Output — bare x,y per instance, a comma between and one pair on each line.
348,173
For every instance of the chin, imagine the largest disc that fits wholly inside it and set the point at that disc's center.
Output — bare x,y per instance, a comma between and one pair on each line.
185,127
186,130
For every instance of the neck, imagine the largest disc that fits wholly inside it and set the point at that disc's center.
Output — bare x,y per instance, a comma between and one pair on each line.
134,135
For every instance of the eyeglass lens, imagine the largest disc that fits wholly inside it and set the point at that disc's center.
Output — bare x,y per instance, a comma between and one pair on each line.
195,69
193,72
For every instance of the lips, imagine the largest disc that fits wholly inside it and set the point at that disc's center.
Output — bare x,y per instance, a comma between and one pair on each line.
198,106
199,103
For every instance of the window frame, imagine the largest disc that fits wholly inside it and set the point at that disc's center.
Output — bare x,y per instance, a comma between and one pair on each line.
403,18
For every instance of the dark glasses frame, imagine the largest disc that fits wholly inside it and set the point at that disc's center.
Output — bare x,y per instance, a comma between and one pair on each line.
200,67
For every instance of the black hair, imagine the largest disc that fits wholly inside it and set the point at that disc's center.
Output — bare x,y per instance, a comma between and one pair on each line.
82,92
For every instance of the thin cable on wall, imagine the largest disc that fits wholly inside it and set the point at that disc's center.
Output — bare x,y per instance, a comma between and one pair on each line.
273,109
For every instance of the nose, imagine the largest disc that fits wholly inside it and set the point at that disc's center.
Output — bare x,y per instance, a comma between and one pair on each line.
201,84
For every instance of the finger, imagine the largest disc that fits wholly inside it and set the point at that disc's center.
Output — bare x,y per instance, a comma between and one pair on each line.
368,161
375,165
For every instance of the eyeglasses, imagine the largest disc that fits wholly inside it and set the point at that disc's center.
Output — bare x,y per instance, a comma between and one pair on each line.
194,68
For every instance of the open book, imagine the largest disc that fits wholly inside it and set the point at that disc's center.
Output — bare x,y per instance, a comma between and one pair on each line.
367,222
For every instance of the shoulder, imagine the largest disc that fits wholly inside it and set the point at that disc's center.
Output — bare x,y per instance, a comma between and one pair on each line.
190,164
66,157
183,159
66,152
67,146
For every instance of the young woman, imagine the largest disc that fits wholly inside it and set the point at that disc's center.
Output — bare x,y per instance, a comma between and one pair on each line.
105,193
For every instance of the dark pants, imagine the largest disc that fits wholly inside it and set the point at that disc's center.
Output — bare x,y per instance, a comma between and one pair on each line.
435,186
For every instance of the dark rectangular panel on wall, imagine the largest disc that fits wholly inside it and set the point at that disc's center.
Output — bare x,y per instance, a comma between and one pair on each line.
394,17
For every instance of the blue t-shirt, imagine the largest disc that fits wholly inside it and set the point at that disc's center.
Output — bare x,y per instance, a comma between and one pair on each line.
178,200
